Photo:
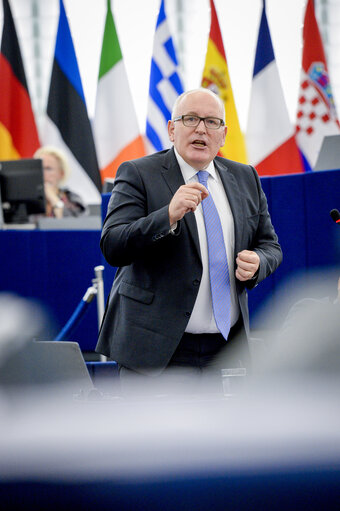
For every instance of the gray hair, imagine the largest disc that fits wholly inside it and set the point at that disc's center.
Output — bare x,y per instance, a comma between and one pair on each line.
200,89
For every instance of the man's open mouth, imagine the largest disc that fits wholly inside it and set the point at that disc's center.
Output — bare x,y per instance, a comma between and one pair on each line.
199,143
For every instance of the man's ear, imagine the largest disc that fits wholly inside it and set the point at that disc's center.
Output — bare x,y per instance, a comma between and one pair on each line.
171,127
225,130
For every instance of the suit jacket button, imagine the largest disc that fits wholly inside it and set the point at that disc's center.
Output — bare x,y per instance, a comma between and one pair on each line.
196,282
187,314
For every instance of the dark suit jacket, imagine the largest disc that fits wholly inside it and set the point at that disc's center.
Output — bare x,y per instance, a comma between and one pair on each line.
159,273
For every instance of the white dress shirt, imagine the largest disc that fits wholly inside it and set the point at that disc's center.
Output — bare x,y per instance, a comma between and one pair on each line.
202,318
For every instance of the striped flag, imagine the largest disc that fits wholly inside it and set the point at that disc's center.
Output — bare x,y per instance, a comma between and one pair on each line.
67,124
216,77
271,143
18,131
316,113
165,85
115,127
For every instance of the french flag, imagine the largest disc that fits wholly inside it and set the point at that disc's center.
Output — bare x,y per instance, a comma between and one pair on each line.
270,136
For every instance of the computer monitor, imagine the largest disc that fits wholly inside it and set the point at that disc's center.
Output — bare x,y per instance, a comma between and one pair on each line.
329,155
22,189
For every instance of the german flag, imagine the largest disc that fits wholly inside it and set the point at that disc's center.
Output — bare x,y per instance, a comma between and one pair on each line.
18,131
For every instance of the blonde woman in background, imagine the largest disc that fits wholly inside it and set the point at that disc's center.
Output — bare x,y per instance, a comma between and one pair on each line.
60,202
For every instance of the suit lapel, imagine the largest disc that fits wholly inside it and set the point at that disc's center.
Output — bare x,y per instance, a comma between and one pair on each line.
171,171
174,179
235,201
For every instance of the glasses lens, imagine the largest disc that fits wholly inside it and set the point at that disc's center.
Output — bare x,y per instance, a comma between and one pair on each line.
212,122
190,120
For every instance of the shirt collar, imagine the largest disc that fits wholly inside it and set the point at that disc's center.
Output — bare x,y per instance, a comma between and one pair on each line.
189,172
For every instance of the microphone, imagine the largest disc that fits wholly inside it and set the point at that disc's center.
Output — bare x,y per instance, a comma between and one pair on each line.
335,216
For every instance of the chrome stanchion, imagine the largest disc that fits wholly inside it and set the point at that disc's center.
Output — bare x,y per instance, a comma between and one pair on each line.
98,283
96,290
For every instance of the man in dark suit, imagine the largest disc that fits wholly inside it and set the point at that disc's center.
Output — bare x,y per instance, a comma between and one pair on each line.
160,314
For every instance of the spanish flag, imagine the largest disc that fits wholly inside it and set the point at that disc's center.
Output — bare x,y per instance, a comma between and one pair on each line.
216,77
18,131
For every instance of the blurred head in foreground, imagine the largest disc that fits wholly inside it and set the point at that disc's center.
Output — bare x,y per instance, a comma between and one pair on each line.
21,320
306,342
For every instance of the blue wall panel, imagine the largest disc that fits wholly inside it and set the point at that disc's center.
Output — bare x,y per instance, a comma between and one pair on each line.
322,190
57,267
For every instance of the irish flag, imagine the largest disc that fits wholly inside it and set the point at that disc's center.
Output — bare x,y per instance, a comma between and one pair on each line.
116,131
216,77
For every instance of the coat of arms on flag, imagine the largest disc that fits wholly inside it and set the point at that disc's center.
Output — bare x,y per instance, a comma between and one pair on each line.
316,102
316,114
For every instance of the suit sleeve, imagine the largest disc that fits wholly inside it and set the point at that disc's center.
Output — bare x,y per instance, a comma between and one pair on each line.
265,242
132,224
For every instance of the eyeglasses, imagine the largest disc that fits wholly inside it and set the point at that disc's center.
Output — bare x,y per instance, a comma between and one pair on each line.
191,121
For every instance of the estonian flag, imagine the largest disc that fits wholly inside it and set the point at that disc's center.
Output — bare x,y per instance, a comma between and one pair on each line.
68,126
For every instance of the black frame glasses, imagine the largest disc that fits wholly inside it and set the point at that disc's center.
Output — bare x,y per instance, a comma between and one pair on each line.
192,121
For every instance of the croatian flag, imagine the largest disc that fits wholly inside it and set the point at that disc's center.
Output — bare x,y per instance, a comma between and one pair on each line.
165,85
270,137
316,113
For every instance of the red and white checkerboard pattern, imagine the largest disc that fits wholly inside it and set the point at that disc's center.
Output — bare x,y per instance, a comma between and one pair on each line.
314,120
312,108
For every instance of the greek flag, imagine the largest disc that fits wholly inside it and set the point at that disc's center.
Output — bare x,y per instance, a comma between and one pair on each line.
165,85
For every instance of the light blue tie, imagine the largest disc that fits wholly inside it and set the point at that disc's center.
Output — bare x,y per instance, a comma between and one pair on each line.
218,262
